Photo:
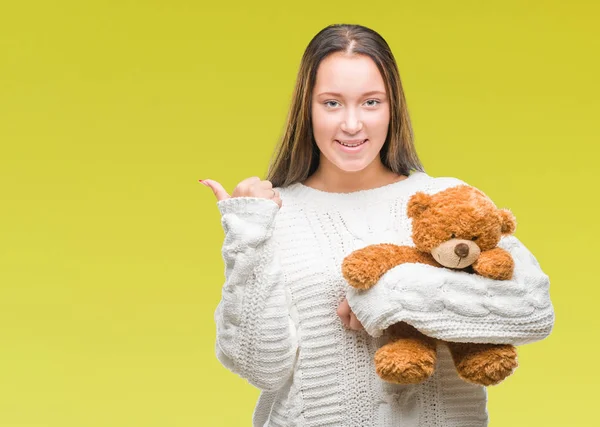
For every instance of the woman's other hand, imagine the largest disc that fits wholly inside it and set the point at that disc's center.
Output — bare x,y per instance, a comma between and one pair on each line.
347,316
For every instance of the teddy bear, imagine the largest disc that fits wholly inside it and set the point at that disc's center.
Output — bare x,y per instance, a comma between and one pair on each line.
457,228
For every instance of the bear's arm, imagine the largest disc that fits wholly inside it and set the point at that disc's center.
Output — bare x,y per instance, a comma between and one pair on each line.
364,267
495,264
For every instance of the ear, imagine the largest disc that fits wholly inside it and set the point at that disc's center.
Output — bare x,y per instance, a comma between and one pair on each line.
418,204
509,222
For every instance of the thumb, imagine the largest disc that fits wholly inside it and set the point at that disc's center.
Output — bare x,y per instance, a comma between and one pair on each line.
217,188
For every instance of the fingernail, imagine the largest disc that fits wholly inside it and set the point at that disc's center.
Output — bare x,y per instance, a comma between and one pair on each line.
202,182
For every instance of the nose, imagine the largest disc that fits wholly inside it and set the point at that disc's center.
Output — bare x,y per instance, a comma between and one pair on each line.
351,124
462,250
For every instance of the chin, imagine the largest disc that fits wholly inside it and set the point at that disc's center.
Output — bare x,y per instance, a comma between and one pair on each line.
351,168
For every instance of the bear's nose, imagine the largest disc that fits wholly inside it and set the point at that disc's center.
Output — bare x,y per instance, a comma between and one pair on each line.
462,250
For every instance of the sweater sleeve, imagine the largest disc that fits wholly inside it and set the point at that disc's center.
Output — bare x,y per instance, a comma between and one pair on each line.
255,335
457,306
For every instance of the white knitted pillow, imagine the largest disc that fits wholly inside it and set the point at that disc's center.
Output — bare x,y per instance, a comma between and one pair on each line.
459,306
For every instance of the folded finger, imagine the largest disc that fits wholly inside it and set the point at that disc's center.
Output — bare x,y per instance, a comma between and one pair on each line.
354,323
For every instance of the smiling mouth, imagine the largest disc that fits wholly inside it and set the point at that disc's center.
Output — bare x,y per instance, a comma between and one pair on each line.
345,144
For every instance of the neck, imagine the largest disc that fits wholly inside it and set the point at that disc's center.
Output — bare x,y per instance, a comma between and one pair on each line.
334,180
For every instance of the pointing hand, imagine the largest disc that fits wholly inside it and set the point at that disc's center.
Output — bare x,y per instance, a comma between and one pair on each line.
250,187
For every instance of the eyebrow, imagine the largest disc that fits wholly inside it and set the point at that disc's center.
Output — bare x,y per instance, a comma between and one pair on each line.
373,92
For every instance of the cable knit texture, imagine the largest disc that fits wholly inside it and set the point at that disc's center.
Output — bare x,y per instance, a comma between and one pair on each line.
277,325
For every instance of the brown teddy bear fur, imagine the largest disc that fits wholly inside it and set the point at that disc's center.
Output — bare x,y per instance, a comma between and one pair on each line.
456,228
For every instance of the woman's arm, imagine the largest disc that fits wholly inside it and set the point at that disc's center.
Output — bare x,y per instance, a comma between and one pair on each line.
458,306
255,335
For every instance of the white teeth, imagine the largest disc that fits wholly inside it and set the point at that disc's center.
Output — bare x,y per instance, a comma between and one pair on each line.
352,145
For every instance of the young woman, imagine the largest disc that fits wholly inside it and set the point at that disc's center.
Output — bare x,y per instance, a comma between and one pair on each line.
340,180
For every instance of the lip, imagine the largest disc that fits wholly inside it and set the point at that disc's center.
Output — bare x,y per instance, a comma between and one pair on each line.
352,150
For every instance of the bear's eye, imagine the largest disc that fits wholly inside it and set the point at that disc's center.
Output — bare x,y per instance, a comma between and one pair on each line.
452,236
474,237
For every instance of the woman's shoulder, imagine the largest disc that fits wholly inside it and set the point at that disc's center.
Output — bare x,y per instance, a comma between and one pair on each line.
420,181
433,184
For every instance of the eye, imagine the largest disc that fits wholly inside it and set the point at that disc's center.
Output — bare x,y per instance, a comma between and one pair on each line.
373,100
474,238
328,102
452,236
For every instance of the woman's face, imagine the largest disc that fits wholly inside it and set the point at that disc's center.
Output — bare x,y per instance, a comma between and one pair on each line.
349,106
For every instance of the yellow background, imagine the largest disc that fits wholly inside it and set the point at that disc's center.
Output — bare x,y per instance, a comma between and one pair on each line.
110,112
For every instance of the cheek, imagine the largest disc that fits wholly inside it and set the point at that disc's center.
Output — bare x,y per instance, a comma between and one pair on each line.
489,241
377,122
323,124
426,236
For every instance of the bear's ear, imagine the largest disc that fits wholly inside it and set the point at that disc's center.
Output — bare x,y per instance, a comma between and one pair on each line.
509,222
417,204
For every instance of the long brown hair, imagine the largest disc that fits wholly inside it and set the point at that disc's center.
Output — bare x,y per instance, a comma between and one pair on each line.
297,155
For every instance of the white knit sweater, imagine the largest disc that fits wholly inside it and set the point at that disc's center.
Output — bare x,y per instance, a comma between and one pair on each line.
277,325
